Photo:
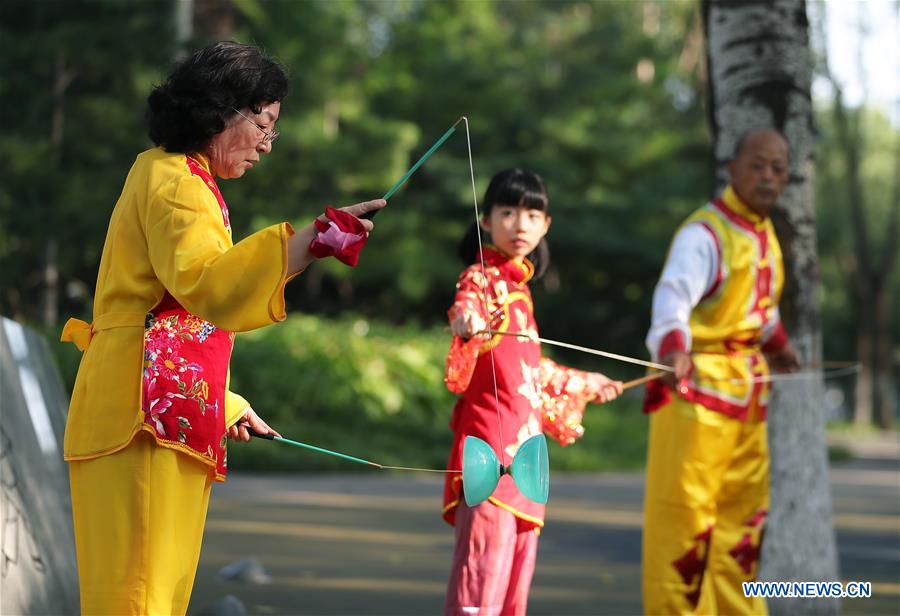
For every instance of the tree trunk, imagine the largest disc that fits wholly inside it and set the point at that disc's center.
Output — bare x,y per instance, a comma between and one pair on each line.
883,397
184,26
50,296
862,393
62,78
760,71
215,18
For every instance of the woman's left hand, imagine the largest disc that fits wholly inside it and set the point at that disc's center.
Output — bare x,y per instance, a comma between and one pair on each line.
238,432
358,210
299,255
607,389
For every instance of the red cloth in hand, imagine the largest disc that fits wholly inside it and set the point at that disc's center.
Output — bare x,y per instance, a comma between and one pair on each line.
776,341
342,237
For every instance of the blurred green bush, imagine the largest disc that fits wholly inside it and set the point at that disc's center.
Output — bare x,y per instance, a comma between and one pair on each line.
348,384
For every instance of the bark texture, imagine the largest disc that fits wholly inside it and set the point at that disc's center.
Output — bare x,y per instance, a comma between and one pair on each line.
760,70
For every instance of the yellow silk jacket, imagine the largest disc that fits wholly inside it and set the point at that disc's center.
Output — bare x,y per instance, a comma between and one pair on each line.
165,234
727,326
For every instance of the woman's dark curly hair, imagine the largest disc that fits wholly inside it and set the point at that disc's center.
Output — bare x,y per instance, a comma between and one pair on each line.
204,89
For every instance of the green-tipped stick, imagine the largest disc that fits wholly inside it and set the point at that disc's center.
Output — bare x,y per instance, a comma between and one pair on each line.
272,437
419,163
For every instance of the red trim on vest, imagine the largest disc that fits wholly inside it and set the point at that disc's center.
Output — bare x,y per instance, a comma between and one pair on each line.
734,216
198,170
688,392
659,395
719,275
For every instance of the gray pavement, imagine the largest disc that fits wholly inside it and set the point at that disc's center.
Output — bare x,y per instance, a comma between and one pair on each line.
374,543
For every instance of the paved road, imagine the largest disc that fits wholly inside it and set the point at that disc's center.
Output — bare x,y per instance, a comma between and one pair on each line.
373,543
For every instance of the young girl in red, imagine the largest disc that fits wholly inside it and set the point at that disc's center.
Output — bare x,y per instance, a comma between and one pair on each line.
505,382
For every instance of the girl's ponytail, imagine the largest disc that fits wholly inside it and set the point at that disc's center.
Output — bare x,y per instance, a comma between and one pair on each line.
540,258
468,246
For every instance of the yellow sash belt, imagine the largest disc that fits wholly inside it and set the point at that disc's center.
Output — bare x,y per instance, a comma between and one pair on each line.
81,333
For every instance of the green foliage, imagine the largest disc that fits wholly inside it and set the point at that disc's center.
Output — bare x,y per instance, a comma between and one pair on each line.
878,161
546,85
74,78
363,388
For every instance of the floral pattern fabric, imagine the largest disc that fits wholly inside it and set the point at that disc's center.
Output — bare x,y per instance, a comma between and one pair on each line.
185,374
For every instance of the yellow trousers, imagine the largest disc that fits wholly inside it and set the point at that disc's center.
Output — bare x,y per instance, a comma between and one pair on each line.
706,498
139,515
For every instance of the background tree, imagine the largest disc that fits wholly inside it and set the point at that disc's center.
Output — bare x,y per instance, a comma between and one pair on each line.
71,108
760,71
869,276
860,192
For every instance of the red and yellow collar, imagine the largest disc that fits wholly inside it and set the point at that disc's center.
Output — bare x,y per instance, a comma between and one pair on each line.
518,272
202,160
734,203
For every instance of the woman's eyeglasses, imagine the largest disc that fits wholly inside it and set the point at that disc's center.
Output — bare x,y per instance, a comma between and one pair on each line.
268,137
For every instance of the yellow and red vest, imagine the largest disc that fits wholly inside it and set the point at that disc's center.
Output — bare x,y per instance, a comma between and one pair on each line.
727,324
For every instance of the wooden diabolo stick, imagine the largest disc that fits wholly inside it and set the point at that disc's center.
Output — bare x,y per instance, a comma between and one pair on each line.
642,380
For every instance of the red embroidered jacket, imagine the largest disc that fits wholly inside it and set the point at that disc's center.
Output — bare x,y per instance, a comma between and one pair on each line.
535,394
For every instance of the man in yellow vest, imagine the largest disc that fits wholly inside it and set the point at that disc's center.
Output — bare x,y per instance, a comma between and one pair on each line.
716,322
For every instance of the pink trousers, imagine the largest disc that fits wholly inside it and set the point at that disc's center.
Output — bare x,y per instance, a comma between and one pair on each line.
493,563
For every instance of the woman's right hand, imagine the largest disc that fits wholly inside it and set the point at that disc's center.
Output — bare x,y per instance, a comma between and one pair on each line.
238,432
468,324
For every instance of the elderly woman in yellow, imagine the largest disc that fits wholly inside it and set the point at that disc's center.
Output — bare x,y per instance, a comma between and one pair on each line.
151,407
